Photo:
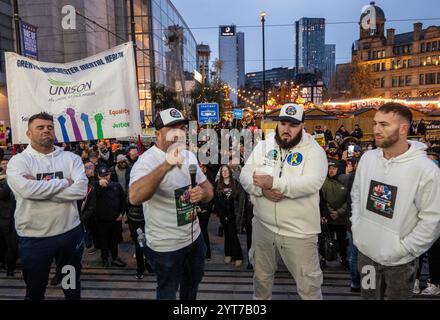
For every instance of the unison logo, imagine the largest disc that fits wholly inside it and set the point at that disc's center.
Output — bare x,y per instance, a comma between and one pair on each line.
58,88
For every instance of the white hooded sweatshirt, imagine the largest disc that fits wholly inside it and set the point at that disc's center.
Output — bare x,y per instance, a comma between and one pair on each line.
396,205
46,206
303,171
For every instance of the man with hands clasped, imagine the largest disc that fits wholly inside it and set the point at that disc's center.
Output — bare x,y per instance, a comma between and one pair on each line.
283,175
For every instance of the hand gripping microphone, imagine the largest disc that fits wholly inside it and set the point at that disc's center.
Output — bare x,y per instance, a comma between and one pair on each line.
192,173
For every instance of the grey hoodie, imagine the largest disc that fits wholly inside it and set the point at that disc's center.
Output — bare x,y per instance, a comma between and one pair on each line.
46,206
396,205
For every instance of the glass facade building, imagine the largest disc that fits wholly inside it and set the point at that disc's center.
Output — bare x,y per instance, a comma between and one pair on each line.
329,63
6,32
158,62
309,44
231,52
273,77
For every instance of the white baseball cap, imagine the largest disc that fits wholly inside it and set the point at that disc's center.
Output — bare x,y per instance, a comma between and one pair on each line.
168,118
291,112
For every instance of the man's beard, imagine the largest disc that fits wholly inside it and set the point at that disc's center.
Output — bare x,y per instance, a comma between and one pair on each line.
288,144
388,142
46,142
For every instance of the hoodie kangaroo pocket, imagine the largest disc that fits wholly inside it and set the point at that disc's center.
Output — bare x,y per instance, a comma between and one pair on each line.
378,242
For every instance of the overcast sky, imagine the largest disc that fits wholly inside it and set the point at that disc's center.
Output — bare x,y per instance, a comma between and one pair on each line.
279,40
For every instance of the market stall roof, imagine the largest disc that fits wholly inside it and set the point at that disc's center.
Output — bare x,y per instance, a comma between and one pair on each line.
360,111
434,113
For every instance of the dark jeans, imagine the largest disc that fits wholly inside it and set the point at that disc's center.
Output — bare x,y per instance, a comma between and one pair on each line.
140,260
10,240
204,220
341,238
232,243
353,262
109,233
37,255
394,282
182,267
434,263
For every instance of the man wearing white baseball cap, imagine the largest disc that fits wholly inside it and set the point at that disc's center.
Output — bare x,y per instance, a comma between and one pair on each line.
283,175
161,181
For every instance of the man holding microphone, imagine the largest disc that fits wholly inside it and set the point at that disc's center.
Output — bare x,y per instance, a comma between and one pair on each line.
160,180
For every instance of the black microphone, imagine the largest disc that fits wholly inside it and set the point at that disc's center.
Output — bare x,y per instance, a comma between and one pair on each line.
192,173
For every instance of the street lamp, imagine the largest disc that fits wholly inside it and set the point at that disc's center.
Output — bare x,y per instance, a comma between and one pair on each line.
263,15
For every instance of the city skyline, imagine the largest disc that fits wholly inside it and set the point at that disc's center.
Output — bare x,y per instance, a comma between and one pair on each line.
342,27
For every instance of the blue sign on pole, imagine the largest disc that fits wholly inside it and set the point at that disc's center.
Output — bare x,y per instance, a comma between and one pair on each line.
238,114
28,35
207,113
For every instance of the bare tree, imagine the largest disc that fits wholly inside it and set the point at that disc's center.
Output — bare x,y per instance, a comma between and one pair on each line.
362,83
175,42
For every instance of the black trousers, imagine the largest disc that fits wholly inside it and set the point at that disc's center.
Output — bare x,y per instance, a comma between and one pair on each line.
203,221
10,254
419,269
232,243
109,233
341,236
248,229
140,260
434,263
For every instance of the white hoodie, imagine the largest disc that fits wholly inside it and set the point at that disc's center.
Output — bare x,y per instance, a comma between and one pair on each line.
303,173
396,205
47,206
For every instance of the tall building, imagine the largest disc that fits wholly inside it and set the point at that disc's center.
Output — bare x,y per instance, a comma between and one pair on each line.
241,59
309,44
56,44
329,63
7,43
402,65
203,55
231,52
159,60
273,77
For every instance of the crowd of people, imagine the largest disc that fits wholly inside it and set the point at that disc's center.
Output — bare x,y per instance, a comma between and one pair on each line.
374,202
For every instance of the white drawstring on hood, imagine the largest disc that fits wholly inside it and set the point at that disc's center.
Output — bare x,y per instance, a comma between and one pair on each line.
415,150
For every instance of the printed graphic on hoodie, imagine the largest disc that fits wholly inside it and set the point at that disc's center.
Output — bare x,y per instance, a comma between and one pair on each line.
294,159
50,175
382,198
184,207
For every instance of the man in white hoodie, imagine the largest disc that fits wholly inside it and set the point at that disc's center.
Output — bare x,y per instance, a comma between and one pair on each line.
395,207
283,175
47,182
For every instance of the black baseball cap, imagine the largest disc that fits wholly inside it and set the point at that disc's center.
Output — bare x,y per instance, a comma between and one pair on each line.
333,163
103,171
